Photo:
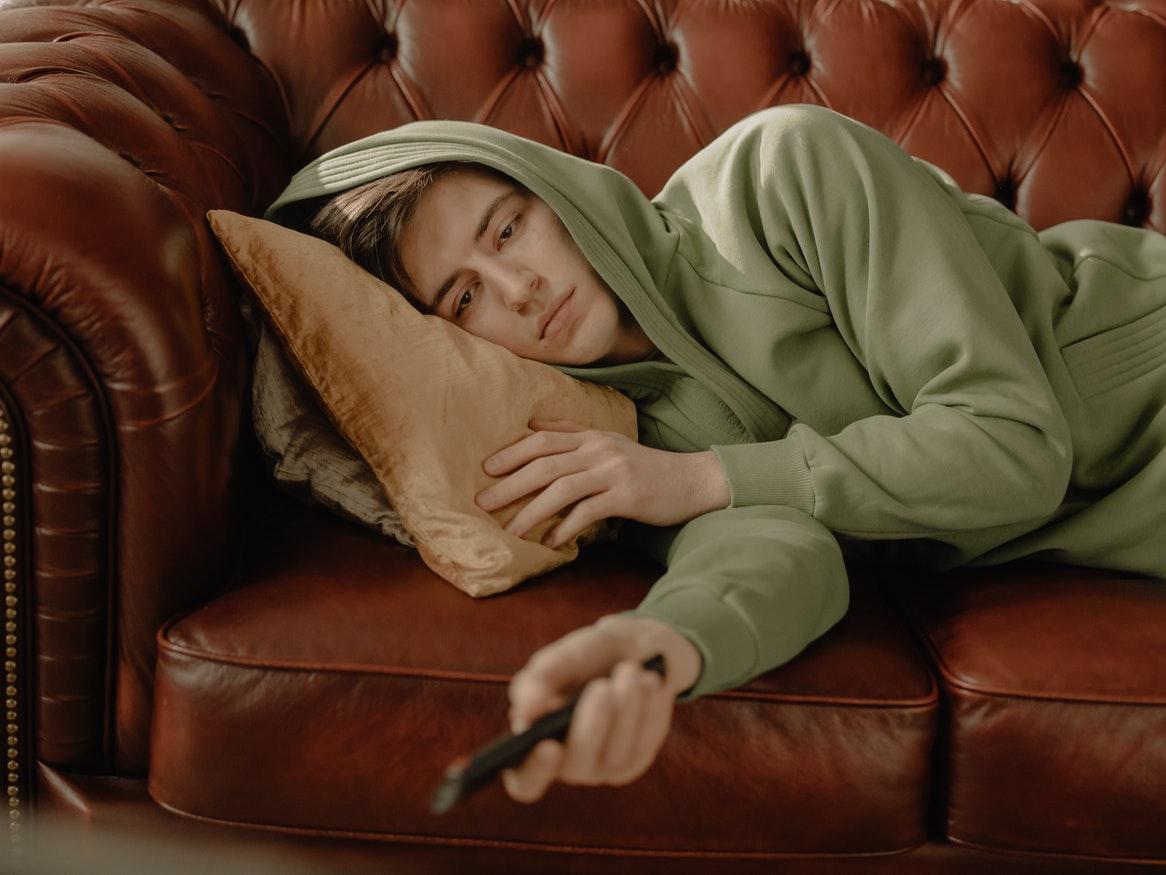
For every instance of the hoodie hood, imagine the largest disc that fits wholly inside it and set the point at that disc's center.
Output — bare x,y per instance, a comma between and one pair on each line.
631,241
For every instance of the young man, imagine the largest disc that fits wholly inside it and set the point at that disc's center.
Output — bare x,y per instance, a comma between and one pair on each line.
882,366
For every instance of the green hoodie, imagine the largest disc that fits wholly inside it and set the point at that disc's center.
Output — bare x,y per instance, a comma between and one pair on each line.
887,368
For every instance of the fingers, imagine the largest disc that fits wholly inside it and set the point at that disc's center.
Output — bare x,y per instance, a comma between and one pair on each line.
561,493
628,689
566,465
620,720
583,514
613,738
587,733
561,668
551,469
530,447
582,747
653,729
530,781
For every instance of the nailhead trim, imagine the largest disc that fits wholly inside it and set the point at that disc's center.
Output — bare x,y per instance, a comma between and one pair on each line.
12,730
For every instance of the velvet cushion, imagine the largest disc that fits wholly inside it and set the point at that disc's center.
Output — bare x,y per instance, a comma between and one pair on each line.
422,401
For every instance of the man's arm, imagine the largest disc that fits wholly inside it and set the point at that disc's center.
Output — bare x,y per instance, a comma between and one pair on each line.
750,587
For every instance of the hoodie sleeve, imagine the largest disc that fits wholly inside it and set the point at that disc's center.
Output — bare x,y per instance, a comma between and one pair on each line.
982,440
750,587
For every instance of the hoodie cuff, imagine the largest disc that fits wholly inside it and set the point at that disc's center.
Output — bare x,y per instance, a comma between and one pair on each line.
725,641
770,472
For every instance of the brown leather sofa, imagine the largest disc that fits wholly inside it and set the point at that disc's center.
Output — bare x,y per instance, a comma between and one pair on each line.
193,653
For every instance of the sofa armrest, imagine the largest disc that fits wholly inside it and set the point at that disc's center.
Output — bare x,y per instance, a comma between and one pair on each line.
124,367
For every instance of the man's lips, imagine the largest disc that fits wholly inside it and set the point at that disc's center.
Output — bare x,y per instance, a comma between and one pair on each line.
547,317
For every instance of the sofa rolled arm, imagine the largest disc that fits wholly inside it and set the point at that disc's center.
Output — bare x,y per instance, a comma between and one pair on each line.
124,366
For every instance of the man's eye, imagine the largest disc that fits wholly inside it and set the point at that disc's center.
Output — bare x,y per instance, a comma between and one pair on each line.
504,237
458,312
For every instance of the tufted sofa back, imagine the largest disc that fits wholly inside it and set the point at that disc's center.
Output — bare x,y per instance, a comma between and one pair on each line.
1030,101
123,365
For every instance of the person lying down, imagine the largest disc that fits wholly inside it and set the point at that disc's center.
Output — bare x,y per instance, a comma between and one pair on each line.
840,354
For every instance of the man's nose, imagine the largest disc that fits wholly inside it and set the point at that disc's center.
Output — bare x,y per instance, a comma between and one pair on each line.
517,286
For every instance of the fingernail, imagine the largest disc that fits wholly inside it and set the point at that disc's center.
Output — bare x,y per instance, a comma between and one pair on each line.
518,725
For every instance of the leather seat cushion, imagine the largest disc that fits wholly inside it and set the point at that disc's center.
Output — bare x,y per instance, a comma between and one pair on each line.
1055,739
330,693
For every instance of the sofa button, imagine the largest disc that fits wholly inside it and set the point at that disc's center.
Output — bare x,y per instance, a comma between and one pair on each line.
799,62
1137,209
387,48
239,37
934,70
1070,74
1006,193
665,58
531,52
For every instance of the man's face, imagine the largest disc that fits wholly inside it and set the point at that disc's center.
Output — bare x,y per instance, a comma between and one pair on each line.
502,285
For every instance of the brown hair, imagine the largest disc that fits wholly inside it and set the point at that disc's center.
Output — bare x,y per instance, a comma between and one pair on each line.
366,223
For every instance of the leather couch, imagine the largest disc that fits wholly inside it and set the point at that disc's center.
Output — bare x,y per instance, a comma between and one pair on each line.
193,653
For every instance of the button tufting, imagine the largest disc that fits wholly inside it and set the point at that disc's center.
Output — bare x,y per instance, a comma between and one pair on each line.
387,47
665,58
1006,193
934,70
1137,209
1070,74
799,62
530,52
239,36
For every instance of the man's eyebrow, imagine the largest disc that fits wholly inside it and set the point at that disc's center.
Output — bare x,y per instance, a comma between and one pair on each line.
487,217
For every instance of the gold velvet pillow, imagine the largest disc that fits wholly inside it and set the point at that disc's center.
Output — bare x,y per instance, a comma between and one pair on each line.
421,400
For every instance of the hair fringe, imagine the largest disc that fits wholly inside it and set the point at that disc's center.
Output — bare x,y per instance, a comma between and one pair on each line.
367,222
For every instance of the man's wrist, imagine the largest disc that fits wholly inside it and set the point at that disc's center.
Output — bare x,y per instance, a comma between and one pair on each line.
715,484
